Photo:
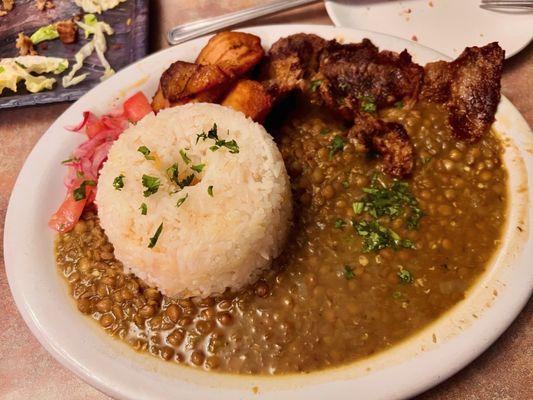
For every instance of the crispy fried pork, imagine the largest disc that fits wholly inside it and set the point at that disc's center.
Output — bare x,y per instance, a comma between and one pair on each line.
356,75
249,97
469,87
291,62
235,53
388,139
349,79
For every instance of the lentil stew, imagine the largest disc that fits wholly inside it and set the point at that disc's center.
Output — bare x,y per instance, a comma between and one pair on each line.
370,261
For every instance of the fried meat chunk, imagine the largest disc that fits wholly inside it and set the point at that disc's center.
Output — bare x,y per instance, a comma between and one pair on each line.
291,62
235,53
354,75
25,45
469,87
249,97
67,31
8,6
388,139
184,82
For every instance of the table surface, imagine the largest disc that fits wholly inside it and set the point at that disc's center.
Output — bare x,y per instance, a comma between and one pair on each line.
503,372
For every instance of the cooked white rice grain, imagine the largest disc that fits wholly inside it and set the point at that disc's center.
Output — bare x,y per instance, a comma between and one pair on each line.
208,243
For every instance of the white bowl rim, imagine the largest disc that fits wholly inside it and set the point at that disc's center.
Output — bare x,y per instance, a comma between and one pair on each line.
431,366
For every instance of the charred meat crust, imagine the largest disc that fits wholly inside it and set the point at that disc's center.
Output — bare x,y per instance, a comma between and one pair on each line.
388,139
355,72
290,62
469,87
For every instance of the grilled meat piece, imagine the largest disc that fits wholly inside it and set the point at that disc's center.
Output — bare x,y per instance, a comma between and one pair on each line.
291,62
356,75
67,31
346,78
251,98
469,87
388,139
184,82
235,53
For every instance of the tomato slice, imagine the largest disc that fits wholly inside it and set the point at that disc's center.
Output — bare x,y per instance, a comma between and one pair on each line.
136,107
69,212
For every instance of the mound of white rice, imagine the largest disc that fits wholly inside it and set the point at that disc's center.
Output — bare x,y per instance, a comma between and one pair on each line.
208,243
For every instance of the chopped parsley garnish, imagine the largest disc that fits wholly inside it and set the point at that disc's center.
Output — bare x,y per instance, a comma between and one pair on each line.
2,69
118,182
380,201
143,208
151,183
153,239
399,104
79,193
426,160
367,104
340,223
325,131
348,272
198,168
183,155
313,85
337,145
210,190
358,207
186,181
345,184
377,237
145,151
182,200
172,172
80,174
405,276
211,134
231,145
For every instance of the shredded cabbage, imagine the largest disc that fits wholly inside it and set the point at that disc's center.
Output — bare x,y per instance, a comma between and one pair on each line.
97,6
14,70
98,29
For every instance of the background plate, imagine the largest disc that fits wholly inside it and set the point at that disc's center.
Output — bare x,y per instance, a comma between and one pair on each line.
447,26
126,45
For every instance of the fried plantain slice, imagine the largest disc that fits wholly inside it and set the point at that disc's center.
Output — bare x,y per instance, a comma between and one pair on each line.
251,98
235,53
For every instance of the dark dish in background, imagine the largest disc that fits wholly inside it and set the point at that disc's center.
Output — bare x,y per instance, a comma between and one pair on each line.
129,42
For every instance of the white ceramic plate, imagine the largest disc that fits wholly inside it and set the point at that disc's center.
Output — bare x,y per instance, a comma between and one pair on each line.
445,25
111,366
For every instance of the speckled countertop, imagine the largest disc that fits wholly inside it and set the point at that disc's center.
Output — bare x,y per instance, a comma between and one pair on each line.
27,371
